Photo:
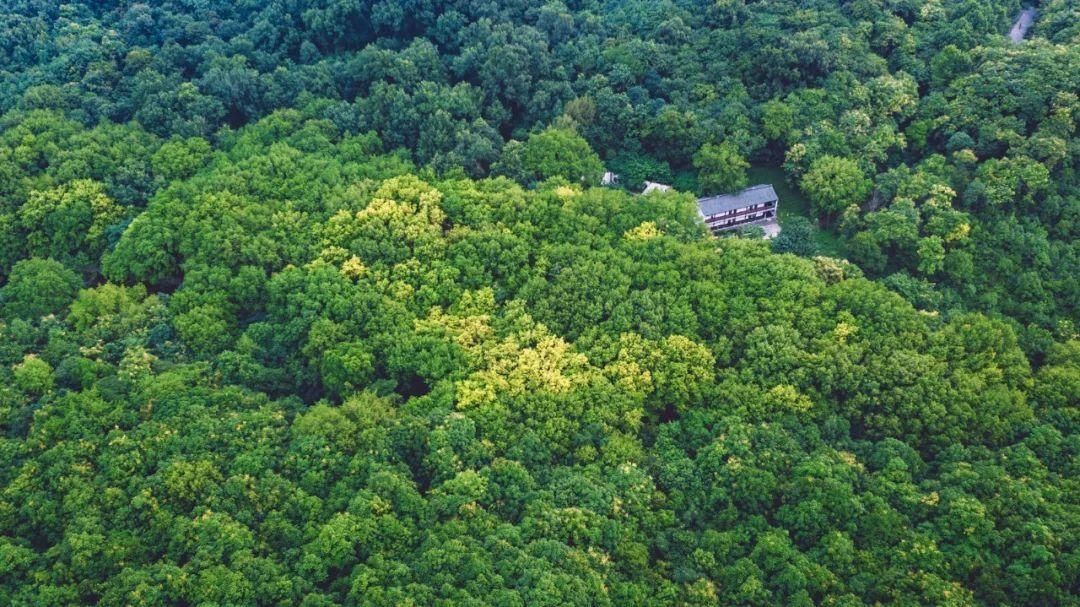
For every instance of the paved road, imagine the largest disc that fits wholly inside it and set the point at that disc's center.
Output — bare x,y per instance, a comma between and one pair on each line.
1023,23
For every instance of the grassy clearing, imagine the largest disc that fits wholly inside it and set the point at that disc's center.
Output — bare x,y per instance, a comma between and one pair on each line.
794,204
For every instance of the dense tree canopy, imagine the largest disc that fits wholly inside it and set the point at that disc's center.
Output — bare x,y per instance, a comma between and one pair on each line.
721,168
320,303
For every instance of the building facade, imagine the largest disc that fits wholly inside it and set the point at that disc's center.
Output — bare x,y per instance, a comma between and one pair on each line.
755,205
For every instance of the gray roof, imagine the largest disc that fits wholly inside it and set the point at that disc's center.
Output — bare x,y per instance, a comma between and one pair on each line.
755,194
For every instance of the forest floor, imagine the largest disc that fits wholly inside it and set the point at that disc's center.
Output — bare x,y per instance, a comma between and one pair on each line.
794,204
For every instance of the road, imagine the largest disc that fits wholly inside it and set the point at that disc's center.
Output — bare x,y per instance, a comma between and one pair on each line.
1022,25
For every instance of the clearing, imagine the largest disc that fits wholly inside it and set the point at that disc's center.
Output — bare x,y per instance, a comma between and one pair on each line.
794,204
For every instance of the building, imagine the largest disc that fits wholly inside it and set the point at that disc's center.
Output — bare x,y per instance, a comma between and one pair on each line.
756,205
609,179
652,186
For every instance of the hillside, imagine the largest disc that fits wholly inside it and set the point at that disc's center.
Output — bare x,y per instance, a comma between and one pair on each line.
319,303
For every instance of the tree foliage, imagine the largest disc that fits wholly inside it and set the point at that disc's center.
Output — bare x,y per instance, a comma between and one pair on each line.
315,303
720,168
833,184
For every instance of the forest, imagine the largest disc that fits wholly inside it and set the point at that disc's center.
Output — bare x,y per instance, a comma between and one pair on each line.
322,303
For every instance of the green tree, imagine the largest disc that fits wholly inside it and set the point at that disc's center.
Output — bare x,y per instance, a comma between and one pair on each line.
37,287
635,169
180,158
931,255
33,376
69,223
796,236
834,183
553,152
777,119
721,168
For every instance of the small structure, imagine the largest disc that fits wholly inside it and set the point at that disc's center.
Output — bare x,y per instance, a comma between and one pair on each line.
756,205
609,179
652,186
